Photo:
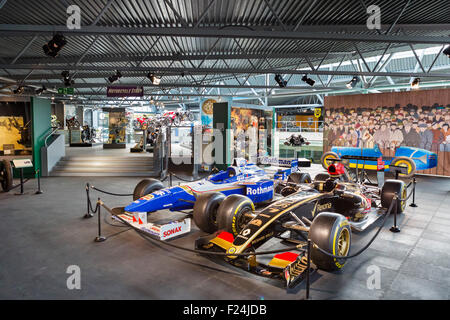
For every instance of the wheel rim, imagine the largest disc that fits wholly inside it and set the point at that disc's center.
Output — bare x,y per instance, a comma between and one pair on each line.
343,243
325,160
403,202
404,163
243,220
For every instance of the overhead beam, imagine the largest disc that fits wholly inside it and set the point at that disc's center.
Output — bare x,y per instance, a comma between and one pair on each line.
199,71
208,32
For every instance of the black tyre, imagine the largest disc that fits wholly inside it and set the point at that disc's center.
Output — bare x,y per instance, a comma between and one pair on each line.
405,162
390,188
231,215
205,210
331,232
324,160
6,175
177,121
321,177
299,177
145,187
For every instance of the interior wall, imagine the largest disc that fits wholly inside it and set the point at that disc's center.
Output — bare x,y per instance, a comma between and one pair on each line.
416,118
41,114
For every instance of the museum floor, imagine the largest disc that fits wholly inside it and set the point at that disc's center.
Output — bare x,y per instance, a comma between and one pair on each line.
44,234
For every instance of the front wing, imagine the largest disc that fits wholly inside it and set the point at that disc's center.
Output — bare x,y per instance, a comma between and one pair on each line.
290,267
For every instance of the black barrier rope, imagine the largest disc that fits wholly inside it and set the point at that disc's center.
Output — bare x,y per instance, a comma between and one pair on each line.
148,237
395,201
112,193
20,184
185,180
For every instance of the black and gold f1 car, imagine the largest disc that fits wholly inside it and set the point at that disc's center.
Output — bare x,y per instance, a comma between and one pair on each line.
324,211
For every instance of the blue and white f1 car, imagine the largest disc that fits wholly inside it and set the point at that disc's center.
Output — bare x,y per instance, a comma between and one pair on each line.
240,178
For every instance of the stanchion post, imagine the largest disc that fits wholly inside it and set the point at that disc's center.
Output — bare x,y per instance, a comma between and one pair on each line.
99,238
88,213
413,203
170,179
39,191
308,270
395,228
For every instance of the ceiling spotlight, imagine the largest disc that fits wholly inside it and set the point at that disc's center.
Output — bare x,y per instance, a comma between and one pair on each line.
447,51
352,83
19,90
53,47
154,79
115,77
67,79
281,82
308,80
40,90
415,83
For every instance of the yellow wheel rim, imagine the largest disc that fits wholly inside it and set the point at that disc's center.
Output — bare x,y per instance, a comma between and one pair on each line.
404,195
326,159
404,163
343,242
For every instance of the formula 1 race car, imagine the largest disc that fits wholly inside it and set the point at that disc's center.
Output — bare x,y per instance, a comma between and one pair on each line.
323,211
412,158
241,178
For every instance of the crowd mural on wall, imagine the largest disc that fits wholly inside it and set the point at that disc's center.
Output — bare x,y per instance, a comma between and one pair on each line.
389,127
416,124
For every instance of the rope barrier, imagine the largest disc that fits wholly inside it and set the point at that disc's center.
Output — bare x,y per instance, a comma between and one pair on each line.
111,193
149,238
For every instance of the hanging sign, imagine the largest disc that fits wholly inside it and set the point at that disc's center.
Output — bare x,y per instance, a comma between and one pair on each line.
125,91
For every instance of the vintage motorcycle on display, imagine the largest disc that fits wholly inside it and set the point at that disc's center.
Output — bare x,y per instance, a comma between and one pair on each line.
176,117
142,122
296,141
55,123
72,122
88,134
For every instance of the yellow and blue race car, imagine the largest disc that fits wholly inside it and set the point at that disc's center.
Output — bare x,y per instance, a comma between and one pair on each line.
413,159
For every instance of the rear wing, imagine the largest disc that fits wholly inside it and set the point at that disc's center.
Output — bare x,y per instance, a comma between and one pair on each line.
273,161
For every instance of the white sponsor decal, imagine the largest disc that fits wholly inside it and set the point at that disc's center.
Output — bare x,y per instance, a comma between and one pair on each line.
259,190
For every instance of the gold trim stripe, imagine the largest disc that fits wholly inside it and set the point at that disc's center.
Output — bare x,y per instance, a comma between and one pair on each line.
241,248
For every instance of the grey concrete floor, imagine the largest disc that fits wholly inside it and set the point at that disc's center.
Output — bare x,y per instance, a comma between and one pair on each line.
42,235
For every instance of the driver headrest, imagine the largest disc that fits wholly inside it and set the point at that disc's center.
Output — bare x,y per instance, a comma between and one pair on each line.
329,185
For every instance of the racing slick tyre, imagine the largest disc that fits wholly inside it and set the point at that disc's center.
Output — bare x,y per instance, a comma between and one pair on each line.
390,188
405,162
232,213
205,210
321,177
299,177
331,232
327,156
145,187
6,175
